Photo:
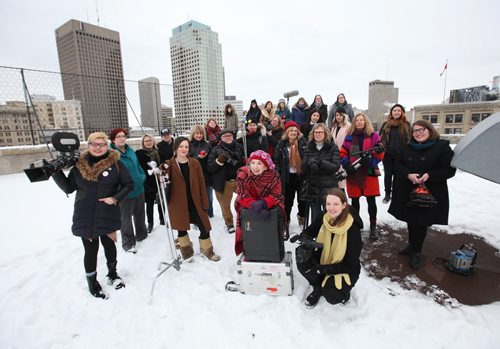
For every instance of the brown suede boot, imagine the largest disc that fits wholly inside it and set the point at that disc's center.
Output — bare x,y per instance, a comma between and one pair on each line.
207,249
186,246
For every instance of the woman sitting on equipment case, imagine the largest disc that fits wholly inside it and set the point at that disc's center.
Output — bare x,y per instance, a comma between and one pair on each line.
334,270
258,187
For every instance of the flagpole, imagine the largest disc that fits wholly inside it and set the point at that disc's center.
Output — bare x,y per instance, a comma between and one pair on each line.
445,77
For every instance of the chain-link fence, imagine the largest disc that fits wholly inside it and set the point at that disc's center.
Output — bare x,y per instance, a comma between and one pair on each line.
34,104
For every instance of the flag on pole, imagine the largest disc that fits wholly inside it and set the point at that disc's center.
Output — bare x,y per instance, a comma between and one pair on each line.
444,69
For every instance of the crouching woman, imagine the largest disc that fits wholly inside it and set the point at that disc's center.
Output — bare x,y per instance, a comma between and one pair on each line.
333,270
101,182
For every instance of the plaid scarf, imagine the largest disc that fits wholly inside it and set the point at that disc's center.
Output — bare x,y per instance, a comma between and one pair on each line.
213,134
258,187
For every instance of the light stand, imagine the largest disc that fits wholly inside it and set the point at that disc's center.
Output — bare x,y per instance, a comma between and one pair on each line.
162,183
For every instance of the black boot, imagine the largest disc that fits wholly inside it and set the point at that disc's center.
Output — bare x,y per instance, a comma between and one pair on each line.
95,288
387,198
373,232
313,298
113,278
415,260
150,227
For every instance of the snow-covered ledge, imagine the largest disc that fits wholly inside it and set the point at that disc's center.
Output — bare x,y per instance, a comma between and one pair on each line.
16,159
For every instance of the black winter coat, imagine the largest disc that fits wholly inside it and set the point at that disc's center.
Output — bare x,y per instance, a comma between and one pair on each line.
328,161
166,150
350,264
106,178
256,141
144,157
434,160
281,159
222,174
195,148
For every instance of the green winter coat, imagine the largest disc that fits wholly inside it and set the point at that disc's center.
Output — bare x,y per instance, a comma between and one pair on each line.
130,161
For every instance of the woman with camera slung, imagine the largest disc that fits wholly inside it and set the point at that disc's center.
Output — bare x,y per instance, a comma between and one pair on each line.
425,160
364,180
101,181
333,270
188,200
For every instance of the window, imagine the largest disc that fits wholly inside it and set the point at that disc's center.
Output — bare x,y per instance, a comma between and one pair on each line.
448,131
449,118
484,116
425,117
475,118
434,119
457,130
459,118
454,119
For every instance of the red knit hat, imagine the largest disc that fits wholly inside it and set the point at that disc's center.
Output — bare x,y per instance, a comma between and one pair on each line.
114,132
290,124
264,157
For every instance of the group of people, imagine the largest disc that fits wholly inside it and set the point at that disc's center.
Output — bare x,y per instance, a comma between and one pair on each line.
307,155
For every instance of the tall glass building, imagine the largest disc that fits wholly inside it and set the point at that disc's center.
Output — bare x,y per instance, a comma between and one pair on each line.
197,75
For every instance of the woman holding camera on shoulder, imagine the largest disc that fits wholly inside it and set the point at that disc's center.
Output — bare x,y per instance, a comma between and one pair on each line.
425,160
188,200
362,144
333,270
101,181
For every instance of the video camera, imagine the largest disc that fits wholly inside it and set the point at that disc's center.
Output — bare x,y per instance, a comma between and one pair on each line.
377,149
306,248
67,145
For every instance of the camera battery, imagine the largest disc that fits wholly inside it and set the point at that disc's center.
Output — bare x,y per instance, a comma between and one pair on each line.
275,279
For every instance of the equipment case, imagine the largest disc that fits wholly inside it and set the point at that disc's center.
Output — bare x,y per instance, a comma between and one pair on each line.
274,279
262,241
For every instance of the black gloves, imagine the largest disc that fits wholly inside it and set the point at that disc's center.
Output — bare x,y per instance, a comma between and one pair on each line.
349,169
313,167
259,210
222,157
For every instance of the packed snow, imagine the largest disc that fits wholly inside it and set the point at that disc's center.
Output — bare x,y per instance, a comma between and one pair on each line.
44,299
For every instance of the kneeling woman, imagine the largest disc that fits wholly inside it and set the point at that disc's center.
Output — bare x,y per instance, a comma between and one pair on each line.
188,200
334,270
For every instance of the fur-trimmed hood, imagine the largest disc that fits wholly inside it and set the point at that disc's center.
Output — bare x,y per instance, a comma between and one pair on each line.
91,173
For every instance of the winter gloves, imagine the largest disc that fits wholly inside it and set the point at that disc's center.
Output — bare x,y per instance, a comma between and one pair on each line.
365,160
259,210
222,157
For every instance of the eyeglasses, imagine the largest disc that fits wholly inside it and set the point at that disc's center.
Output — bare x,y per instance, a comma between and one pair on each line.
98,145
419,130
319,132
121,136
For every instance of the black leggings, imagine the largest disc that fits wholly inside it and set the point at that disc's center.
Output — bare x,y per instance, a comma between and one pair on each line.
292,187
372,207
417,234
92,247
150,198
195,219
388,162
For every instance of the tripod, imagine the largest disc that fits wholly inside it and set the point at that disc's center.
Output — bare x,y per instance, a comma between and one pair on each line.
162,183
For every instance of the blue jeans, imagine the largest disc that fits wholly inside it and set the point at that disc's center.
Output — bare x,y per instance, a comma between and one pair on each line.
210,194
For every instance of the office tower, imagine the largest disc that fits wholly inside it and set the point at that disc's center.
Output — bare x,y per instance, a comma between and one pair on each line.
167,118
382,95
91,65
197,75
149,96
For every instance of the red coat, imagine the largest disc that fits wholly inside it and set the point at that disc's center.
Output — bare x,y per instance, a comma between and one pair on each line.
251,188
364,182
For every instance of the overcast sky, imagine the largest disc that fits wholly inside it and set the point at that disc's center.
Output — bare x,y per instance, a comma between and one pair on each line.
270,47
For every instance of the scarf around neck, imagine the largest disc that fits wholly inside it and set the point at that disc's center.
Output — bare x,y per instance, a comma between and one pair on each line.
295,159
334,240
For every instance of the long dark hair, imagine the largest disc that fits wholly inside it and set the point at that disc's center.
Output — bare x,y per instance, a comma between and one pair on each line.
343,198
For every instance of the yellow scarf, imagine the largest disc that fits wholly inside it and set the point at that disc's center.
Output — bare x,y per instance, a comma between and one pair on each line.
334,249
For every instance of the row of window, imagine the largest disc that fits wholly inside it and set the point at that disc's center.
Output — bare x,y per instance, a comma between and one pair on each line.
456,118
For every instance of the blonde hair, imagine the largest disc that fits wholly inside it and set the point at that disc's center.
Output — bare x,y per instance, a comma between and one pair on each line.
322,125
367,130
144,137
97,135
200,129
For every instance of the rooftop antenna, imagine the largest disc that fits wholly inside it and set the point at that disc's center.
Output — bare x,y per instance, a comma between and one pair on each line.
97,13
